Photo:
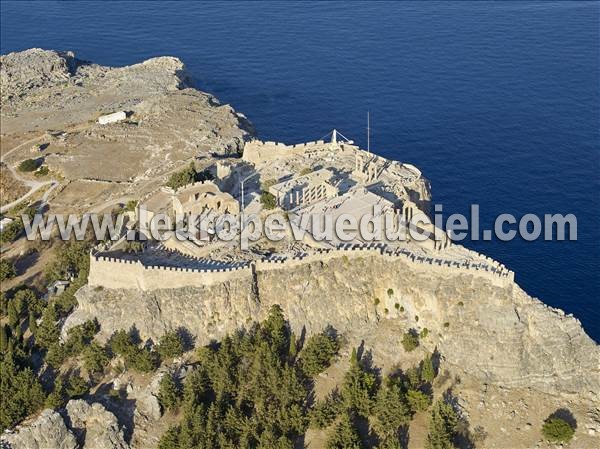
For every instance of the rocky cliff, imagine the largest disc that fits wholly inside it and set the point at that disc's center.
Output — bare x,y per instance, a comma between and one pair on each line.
79,426
498,334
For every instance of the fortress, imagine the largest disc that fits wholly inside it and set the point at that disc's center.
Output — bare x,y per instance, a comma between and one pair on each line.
315,177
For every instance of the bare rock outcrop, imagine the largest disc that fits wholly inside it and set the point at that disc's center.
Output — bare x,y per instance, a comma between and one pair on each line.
500,335
80,426
95,427
47,431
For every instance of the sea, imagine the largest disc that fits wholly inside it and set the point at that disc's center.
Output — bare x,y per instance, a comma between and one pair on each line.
498,103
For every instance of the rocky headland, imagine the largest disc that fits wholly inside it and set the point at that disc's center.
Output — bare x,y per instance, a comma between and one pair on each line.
511,359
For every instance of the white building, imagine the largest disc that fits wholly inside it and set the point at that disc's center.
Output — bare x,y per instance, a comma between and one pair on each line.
112,118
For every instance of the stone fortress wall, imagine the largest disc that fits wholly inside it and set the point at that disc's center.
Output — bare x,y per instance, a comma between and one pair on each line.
116,273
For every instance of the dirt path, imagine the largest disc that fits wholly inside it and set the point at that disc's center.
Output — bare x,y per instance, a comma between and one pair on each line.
34,186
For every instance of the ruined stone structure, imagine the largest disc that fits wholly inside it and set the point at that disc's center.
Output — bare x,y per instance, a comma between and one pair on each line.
304,190
367,168
195,198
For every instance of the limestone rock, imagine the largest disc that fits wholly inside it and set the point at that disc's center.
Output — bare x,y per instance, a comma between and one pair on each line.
48,431
97,427
499,334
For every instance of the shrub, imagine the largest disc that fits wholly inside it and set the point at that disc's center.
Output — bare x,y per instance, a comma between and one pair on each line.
7,270
401,308
267,184
134,247
460,303
376,301
29,165
95,358
397,306
390,291
76,386
386,311
305,171
446,324
170,345
410,341
557,430
11,231
424,332
268,200
42,171
183,177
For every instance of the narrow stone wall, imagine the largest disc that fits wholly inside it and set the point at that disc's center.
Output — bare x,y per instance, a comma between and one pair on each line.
117,273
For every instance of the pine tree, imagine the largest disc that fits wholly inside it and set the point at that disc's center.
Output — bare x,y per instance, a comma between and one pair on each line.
170,439
358,388
56,399
442,426
4,337
345,435
33,327
170,345
417,400
391,412
48,331
95,358
427,369
317,354
275,330
169,393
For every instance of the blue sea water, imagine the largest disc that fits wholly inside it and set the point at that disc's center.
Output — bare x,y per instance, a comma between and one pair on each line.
497,102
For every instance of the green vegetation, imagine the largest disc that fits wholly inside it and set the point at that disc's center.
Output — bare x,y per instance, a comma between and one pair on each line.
134,247
424,332
7,270
187,176
252,391
140,359
13,230
390,292
183,177
376,301
557,430
268,200
29,165
410,341
318,353
442,427
169,393
95,358
306,171
42,171
170,345
265,185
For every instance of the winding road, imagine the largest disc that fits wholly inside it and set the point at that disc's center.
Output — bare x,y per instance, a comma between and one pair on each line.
34,186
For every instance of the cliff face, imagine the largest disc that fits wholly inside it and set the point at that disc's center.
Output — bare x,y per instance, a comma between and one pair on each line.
498,334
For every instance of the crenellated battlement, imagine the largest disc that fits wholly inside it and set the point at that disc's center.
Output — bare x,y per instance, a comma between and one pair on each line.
112,272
